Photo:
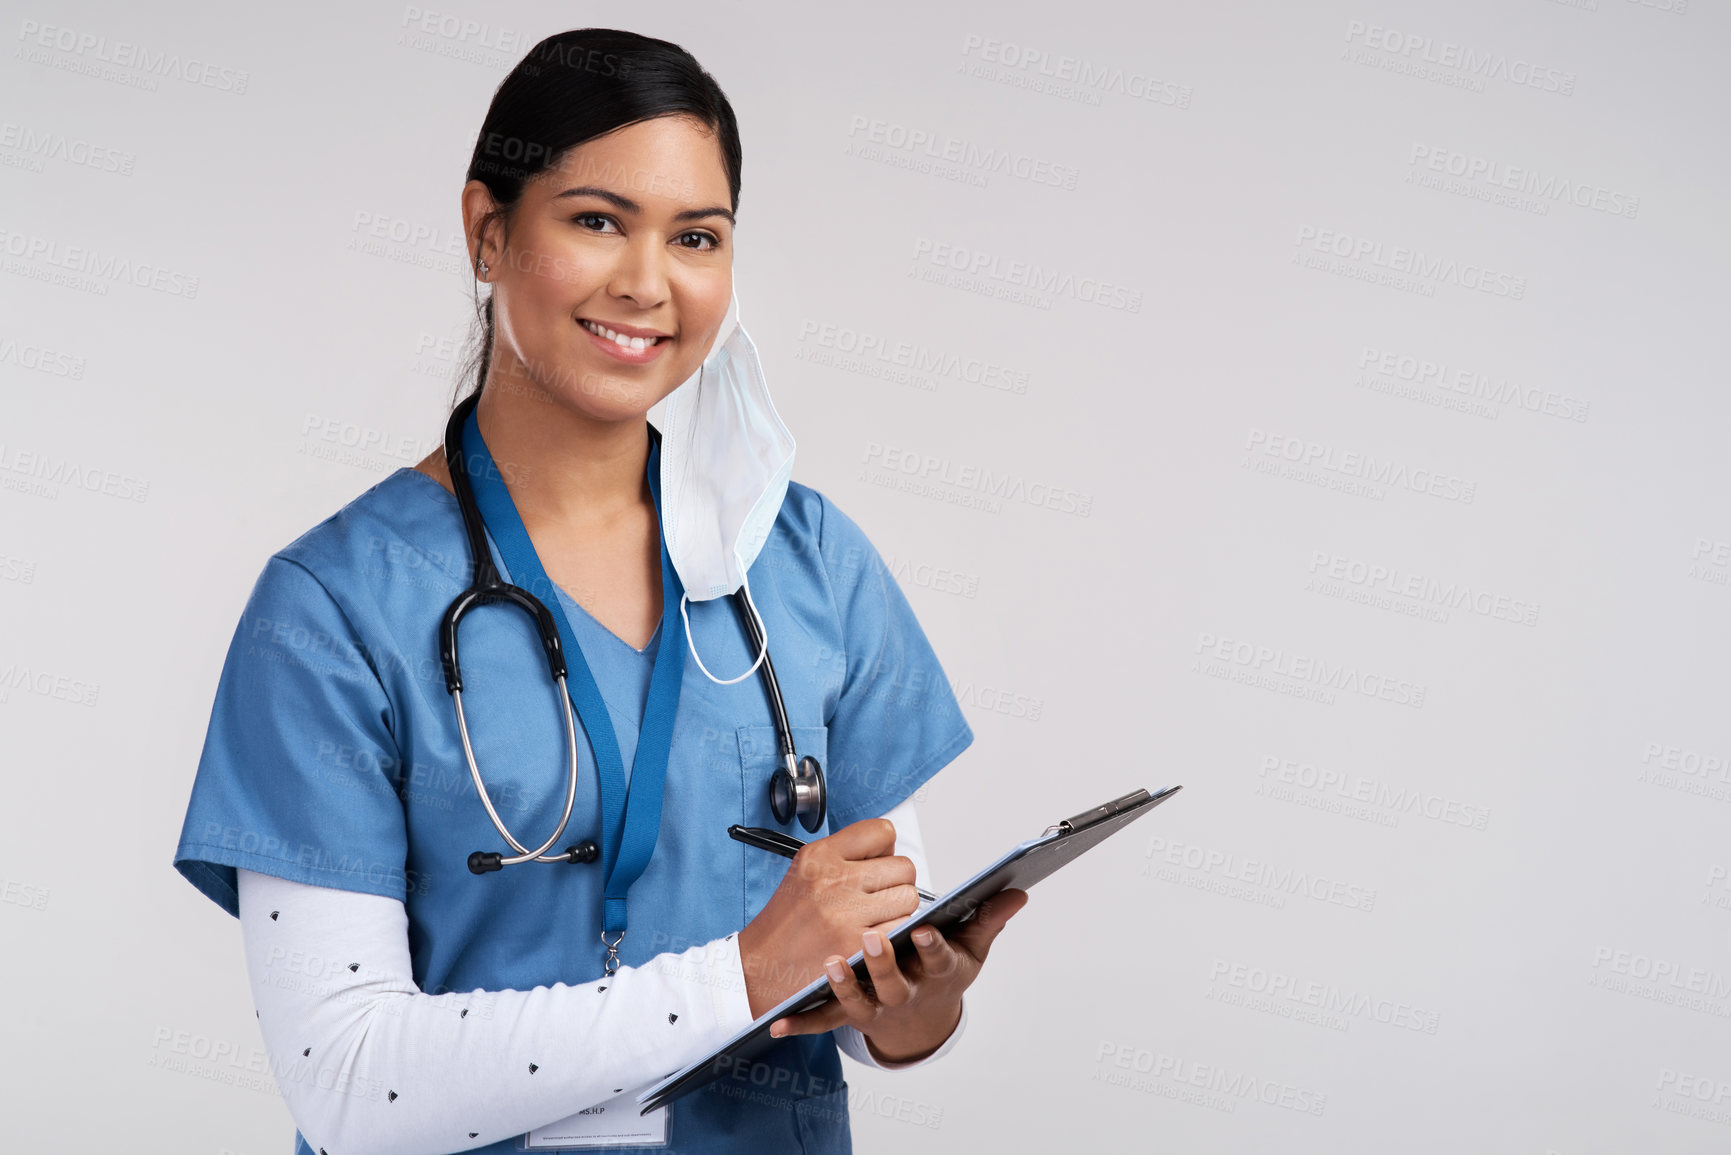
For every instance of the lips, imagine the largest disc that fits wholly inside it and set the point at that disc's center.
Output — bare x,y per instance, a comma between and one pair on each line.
625,335
632,346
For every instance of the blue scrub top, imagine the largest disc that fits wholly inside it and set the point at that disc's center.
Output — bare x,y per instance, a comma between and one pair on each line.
621,672
333,758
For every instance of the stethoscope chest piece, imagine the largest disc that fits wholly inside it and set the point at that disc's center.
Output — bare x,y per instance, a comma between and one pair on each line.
801,793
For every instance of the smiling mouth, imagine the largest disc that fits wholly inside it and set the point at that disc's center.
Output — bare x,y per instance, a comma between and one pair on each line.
620,339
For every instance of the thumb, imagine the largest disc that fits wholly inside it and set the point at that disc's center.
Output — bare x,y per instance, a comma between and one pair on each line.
976,937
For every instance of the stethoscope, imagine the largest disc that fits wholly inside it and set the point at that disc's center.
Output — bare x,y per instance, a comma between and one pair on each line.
796,789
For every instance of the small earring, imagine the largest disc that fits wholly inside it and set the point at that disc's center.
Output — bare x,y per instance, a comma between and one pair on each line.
481,265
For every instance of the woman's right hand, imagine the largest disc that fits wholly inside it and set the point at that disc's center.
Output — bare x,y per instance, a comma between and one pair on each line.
836,889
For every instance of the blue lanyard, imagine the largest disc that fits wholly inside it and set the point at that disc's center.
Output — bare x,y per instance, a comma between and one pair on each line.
631,818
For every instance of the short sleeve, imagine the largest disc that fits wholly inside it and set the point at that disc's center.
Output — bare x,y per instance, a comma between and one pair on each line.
896,720
300,772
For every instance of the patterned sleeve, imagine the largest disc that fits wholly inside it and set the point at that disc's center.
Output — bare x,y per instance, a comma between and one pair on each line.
370,1065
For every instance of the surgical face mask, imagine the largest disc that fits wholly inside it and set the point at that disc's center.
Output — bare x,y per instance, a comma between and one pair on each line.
726,459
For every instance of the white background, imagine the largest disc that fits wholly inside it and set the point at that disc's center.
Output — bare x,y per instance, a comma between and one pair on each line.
1492,918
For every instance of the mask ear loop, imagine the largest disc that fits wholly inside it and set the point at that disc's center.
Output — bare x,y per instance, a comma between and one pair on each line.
691,644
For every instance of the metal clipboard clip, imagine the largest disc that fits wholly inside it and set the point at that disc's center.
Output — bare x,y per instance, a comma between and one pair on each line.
1100,813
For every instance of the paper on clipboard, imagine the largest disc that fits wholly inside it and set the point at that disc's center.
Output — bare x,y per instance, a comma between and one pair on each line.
1018,868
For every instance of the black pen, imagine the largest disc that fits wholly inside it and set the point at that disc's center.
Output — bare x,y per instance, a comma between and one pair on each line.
785,845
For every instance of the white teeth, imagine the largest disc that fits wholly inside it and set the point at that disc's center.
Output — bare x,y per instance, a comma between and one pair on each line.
624,342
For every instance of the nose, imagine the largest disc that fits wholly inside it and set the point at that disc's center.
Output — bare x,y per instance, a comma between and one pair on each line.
640,274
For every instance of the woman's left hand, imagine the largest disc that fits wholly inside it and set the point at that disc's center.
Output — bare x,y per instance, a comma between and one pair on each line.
913,1007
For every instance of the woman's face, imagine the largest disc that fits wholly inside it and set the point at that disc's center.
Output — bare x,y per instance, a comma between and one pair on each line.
631,233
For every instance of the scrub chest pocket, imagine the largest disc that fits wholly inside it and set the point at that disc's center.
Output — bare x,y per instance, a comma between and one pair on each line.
758,758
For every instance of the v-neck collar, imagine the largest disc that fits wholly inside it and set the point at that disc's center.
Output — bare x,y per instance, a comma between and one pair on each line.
648,647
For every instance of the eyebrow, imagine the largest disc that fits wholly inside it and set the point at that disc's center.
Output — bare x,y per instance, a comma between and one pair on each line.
631,206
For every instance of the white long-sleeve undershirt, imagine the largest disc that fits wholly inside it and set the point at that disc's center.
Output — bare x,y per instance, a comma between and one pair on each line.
371,1065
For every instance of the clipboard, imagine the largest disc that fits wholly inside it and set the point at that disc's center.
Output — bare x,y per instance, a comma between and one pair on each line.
1019,868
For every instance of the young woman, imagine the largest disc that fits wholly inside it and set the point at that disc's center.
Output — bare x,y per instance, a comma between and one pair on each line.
417,992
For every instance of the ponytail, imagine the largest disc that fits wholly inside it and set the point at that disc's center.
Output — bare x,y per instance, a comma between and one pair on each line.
474,369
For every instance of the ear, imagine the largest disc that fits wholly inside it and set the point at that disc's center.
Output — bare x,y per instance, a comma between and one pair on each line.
482,226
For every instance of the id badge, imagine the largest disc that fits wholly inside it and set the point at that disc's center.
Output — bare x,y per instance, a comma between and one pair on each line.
614,1123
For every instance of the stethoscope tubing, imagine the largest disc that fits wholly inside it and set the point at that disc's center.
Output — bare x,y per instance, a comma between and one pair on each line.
805,788
777,706
524,854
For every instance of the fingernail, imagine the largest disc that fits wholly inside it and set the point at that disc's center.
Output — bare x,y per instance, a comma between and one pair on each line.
925,936
874,943
837,972
775,1030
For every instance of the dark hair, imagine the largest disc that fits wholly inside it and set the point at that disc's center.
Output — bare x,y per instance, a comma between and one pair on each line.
571,88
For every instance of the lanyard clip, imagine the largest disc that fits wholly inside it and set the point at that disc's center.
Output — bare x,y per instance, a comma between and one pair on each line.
612,963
